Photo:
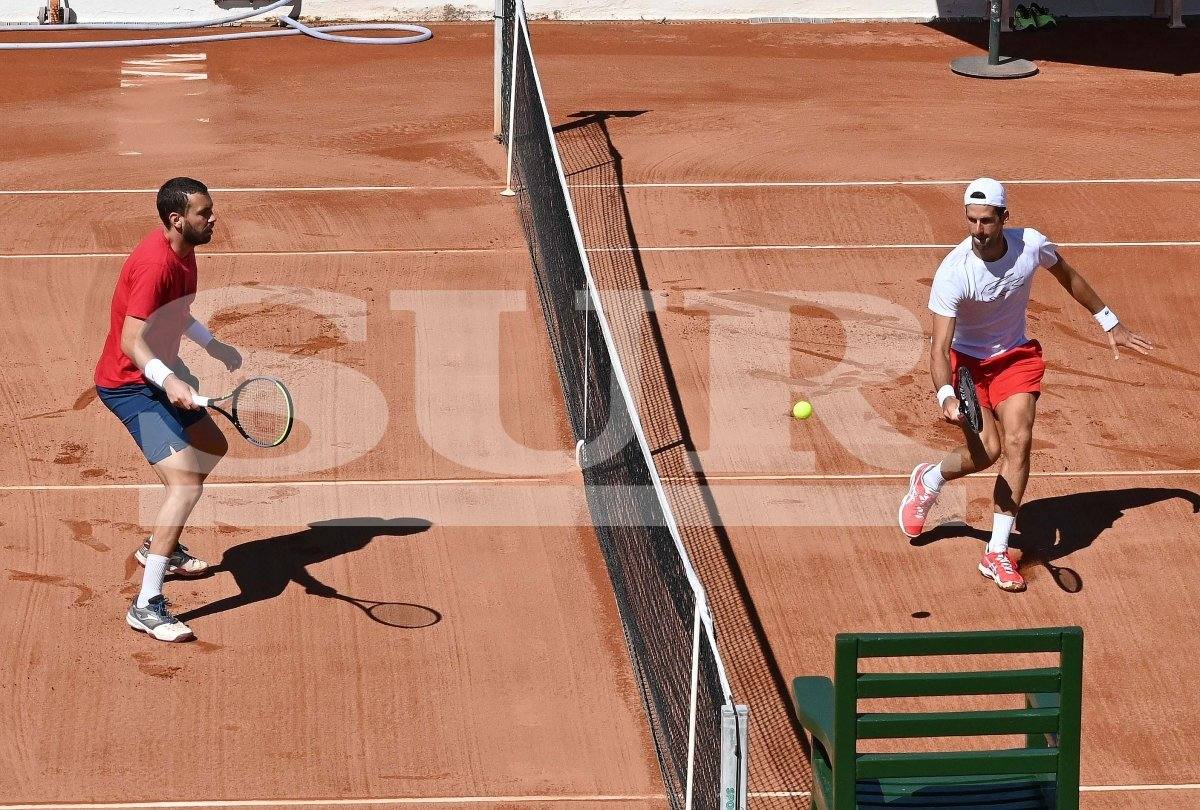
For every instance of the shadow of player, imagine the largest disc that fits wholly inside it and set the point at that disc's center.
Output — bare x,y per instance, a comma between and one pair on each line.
263,568
1050,529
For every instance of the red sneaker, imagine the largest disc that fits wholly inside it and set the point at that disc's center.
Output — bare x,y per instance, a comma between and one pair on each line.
998,566
917,503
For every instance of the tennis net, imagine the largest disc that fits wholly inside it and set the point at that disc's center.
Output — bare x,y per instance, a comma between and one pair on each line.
699,732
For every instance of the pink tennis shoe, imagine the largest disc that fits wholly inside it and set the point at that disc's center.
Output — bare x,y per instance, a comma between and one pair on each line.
917,503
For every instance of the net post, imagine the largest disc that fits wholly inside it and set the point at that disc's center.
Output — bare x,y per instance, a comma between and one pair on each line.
498,69
691,756
735,762
512,100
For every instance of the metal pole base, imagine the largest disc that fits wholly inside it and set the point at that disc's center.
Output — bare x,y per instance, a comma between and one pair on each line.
1008,67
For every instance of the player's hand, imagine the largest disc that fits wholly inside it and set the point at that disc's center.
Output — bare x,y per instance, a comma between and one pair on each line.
228,355
1120,336
951,412
180,393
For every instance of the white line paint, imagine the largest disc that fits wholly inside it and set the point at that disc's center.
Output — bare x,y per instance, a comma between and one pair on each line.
650,249
246,190
799,794
269,484
1116,181
188,77
235,253
1135,788
166,59
915,246
398,482
402,800
905,476
436,800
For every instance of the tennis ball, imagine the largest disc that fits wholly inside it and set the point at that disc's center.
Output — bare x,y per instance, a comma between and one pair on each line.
802,409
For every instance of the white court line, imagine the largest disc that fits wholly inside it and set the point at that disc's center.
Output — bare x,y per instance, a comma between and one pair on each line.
647,249
215,254
799,794
914,246
885,183
402,800
265,484
1134,788
244,190
905,476
398,482
435,800
697,184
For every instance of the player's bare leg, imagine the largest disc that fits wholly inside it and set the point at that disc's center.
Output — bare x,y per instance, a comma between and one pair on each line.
150,612
208,448
183,474
979,452
209,443
1016,415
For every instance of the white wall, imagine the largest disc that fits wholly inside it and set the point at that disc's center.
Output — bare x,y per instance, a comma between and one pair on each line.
25,11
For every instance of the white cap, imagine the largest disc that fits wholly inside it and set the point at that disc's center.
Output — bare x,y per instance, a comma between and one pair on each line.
985,191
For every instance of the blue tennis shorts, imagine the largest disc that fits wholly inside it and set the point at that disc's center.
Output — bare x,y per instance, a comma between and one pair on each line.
158,427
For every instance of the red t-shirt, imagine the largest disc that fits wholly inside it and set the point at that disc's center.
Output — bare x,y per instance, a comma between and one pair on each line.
157,286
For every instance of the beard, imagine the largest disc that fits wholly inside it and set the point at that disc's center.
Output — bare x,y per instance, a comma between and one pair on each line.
196,236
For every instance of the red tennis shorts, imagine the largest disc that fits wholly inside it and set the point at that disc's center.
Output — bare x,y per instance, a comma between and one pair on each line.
1016,371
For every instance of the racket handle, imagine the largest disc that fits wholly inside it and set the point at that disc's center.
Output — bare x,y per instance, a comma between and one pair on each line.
202,401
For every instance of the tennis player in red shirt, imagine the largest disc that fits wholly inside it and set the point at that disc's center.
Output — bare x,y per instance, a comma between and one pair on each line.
150,313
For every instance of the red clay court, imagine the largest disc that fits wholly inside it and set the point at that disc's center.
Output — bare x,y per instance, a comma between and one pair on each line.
785,192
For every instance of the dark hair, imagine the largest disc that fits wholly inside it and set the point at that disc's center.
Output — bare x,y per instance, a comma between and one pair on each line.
173,196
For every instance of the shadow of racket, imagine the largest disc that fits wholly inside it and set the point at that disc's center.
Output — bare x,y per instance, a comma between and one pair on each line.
393,614
1067,579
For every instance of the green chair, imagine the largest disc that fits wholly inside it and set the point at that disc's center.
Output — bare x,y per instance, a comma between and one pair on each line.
1043,774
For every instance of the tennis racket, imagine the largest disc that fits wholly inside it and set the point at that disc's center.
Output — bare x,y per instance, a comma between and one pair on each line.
259,408
968,400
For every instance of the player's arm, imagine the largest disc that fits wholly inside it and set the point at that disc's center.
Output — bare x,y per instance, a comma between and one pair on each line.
1079,289
939,366
133,344
198,333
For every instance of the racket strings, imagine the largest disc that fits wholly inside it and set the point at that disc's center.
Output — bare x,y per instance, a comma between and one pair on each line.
263,412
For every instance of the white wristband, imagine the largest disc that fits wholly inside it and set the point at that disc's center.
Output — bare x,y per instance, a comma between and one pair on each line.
199,333
1106,319
944,393
156,371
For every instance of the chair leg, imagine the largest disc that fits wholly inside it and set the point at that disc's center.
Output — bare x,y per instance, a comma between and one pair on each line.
1176,14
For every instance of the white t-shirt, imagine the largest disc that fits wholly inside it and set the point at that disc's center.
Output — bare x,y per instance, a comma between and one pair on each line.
988,299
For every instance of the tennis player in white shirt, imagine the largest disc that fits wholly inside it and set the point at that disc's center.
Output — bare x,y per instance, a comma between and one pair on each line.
979,299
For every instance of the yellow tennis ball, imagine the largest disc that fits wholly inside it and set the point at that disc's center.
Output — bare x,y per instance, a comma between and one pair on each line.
802,409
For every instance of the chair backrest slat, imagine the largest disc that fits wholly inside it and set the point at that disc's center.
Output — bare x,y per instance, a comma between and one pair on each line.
925,684
887,645
959,763
957,724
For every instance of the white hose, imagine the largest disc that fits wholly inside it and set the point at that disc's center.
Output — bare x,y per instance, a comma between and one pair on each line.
419,32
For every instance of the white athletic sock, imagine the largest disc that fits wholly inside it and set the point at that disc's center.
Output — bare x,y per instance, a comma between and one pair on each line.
1001,527
933,478
152,578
